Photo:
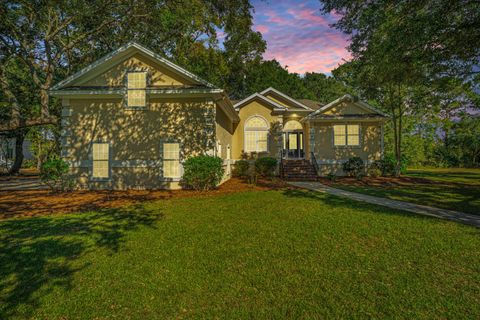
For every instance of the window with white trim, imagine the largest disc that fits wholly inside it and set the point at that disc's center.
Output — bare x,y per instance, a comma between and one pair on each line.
171,160
136,89
256,135
100,160
346,135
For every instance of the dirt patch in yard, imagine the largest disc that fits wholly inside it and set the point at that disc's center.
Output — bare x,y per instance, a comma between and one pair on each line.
41,202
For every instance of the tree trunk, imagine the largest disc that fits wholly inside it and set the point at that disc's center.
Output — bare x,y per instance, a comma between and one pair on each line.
39,153
17,164
396,141
398,152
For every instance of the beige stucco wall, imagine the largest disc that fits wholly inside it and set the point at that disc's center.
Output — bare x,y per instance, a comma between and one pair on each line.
257,107
280,100
157,75
135,137
224,132
330,157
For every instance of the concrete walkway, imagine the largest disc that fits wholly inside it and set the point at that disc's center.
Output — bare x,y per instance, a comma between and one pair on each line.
470,219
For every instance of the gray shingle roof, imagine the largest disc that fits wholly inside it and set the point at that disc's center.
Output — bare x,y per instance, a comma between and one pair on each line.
315,105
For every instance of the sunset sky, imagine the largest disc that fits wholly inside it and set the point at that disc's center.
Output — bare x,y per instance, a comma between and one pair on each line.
299,36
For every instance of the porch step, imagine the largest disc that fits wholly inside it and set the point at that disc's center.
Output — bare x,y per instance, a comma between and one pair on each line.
298,170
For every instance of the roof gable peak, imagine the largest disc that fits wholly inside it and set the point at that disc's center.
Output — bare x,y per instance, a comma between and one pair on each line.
351,99
286,97
126,51
256,95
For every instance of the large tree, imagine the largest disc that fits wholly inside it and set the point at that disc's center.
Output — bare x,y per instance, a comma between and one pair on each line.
52,39
55,38
271,74
325,88
402,51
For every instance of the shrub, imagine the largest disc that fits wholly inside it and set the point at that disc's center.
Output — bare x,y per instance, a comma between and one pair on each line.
388,163
240,168
375,169
29,164
353,166
332,176
266,166
54,173
359,176
203,172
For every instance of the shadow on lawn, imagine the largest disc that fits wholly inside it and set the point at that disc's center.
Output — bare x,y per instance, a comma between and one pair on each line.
41,253
336,201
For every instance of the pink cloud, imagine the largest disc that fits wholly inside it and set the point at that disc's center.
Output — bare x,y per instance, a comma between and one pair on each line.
300,37
261,28
221,35
273,17
308,16
317,51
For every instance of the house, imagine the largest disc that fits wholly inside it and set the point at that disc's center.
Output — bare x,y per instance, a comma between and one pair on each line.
132,117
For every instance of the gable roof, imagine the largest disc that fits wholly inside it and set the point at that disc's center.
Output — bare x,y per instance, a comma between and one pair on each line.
346,98
314,105
276,106
125,52
288,98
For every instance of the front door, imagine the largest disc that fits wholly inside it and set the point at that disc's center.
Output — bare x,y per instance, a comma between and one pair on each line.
293,145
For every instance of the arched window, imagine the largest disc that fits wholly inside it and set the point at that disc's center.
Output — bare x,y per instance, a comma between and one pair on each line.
292,125
256,134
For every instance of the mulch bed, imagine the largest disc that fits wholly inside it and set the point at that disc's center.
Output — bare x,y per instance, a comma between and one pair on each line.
378,182
42,202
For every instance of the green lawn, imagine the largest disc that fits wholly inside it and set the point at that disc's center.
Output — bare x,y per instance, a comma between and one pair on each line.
263,254
454,189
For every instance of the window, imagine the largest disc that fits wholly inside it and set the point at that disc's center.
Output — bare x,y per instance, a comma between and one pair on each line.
136,89
229,166
100,157
171,160
292,139
346,135
292,125
256,135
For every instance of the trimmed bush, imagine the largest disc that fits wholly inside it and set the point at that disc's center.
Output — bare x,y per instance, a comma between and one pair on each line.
332,176
240,168
374,172
54,173
203,172
353,167
266,166
375,169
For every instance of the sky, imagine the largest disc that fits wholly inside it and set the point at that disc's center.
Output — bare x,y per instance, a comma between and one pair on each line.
299,36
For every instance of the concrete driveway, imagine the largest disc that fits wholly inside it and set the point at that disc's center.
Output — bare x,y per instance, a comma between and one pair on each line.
17,183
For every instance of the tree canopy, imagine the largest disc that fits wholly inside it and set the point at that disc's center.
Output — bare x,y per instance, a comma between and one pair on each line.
418,60
413,58
49,40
